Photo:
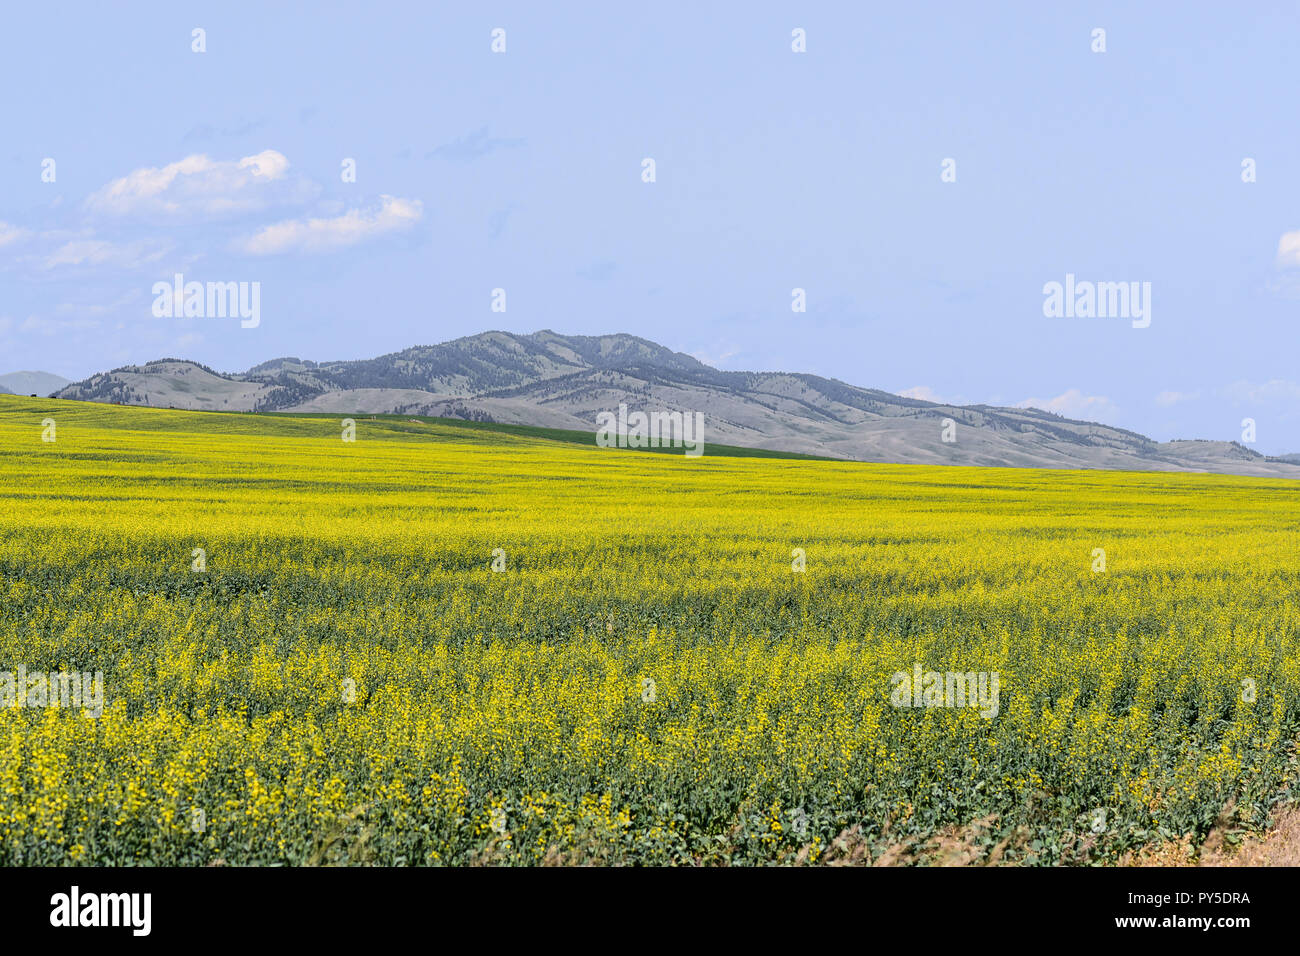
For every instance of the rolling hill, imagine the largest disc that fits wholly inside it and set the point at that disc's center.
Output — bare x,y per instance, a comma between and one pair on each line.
563,381
32,383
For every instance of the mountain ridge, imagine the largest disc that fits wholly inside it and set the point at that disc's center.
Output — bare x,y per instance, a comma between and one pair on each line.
32,383
552,380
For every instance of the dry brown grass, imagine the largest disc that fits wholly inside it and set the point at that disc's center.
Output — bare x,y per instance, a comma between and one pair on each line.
1229,845
1226,845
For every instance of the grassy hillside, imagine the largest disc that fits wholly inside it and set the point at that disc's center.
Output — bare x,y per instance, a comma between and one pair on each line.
370,427
567,436
648,679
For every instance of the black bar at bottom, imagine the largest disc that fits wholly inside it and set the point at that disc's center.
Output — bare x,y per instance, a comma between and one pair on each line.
340,905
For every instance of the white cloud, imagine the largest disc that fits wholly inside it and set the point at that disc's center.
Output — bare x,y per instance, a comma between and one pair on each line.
1074,404
100,252
45,326
199,187
1274,390
1165,399
923,393
1288,249
100,307
708,358
10,233
323,235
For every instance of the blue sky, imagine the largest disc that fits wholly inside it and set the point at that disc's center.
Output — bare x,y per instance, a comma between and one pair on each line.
820,170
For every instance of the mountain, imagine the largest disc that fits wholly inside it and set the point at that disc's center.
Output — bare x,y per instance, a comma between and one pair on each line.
564,381
32,383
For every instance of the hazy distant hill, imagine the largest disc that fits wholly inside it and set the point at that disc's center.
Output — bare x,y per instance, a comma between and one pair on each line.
32,383
564,381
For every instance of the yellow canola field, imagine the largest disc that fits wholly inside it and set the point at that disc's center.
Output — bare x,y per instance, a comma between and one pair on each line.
307,656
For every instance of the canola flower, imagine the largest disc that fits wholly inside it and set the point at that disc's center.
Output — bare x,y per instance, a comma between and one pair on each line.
648,680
